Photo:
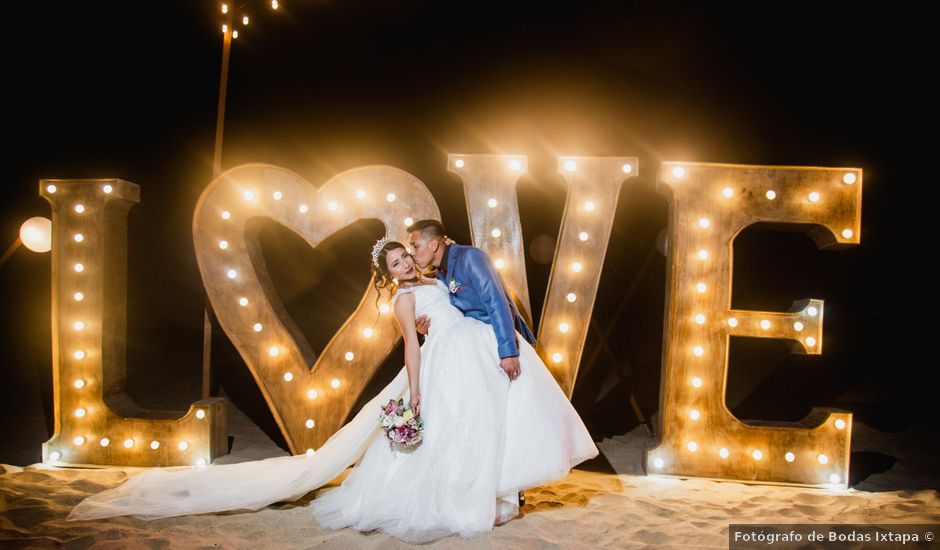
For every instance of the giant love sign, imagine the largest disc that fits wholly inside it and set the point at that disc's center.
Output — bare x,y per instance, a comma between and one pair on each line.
311,396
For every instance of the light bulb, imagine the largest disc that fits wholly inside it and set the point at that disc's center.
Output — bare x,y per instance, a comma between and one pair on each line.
696,382
79,268
79,355
701,288
496,233
183,445
248,195
303,208
79,383
704,223
360,194
390,197
790,457
698,351
277,195
849,178
288,376
700,319
223,245
834,478
384,308
309,452
231,274
256,327
79,441
200,413
224,8
694,414
571,165
732,322
678,172
500,263
810,341
367,332
312,394
51,188
128,443
583,235
79,208
823,459
104,442
692,446
274,4
243,301
847,233
812,311
757,454
813,197
224,28
571,297
576,267
556,357
840,424
703,254
154,444
226,214
408,221
765,324
658,462
727,192
79,325
723,452
80,412
349,356
245,20
332,205
78,237
78,296
589,206
798,326
55,455
309,423
274,351
515,165
563,327
201,462
771,194
627,168
492,203
235,33
459,163
334,382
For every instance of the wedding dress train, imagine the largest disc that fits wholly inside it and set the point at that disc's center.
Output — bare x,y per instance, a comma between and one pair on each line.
485,439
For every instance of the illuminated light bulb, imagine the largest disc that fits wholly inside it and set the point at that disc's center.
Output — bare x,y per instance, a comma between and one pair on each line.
154,444
79,441
231,274
274,351
288,376
183,445
492,203
79,354
556,357
79,208
701,288
459,163
698,351
771,195
576,267
658,462
256,327
496,233
235,34
51,188
55,455
764,324
704,222
224,28
810,341
360,194
849,178
79,268
692,446
571,165
727,192
589,206
812,311
107,188
334,382
723,452
813,197
200,413
694,414
757,454
79,325
78,296
798,326
834,478
332,206
367,332
515,165
390,197
277,195
571,297
223,245
408,221
627,168
384,308
678,172
312,394
703,254
80,412
248,196
349,356
732,322
104,442
303,208
245,20
789,457
79,384
840,424
243,301
224,8
823,459
226,214
583,236
700,319
310,452
201,463
78,237
696,382
309,423
847,233
274,4
128,443
563,327
500,263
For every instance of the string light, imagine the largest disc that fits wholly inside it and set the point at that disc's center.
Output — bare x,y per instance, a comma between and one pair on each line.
732,322
277,195
627,168
235,33
79,383
231,274
849,178
360,194
367,332
312,394
274,4
183,445
798,326
589,206
771,194
556,357
813,197
823,459
245,20
696,382
698,351
496,233
704,223
500,263
571,165
727,192
79,354
256,327
703,254
154,444
757,454
309,423
492,203
78,325
334,382
408,221
847,233
79,441
128,443
810,341
274,351
333,206
79,208
576,267
678,172
79,268
840,424
349,356
104,442
583,236
692,446
390,197
812,311
223,245
200,413
515,165
694,414
658,462
699,319
563,327
571,297
723,452
51,188
78,237
226,214
789,457
303,208
80,412
765,324
459,163
701,288
78,296
243,301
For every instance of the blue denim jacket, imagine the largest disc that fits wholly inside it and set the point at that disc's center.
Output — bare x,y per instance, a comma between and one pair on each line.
478,291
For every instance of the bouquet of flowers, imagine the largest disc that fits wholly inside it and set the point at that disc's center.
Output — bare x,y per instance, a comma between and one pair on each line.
402,428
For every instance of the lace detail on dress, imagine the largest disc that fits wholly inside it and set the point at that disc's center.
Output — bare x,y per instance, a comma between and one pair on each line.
402,290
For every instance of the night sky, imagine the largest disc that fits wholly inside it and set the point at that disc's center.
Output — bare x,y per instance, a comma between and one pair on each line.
129,90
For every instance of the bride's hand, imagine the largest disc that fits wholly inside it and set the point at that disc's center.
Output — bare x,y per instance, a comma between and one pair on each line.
415,403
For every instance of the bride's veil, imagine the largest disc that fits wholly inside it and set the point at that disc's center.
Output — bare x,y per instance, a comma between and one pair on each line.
160,492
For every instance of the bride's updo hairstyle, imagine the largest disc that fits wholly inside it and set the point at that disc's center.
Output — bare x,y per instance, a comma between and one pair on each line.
381,277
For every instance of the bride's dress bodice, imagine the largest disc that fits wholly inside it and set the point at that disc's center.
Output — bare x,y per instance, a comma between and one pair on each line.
433,300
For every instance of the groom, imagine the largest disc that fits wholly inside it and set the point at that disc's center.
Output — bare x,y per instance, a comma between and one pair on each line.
475,287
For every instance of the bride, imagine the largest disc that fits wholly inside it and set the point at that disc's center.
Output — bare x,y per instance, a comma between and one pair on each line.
486,437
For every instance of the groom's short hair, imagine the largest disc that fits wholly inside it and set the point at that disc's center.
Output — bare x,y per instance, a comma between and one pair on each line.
428,228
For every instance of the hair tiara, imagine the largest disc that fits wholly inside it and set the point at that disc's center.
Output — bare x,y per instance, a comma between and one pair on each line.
379,244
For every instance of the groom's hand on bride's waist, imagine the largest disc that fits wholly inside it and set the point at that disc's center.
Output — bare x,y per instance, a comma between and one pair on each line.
510,366
422,324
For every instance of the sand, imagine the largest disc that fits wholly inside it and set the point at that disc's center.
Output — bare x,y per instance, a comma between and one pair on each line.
587,509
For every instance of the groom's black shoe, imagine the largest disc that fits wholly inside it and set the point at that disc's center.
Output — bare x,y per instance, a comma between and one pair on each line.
521,499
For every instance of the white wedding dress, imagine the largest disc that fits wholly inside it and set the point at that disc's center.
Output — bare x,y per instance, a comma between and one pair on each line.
485,439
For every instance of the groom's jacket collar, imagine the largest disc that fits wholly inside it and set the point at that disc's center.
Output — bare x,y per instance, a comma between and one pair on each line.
443,267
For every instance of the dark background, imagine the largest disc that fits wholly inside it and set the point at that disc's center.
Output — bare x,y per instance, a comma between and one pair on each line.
129,90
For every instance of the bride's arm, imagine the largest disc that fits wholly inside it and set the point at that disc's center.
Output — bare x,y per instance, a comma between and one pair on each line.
405,314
